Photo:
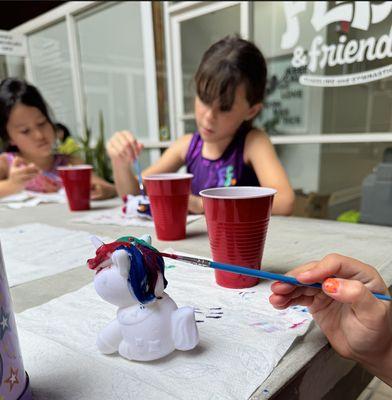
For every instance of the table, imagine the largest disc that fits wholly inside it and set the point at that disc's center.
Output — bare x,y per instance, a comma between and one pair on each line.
311,369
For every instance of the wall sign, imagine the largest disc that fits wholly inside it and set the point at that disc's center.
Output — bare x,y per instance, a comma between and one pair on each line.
12,45
358,14
285,103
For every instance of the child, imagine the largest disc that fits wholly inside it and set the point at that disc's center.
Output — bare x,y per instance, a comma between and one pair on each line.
62,132
225,150
357,324
29,137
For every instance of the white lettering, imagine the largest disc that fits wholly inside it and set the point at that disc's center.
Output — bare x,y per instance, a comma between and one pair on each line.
346,80
291,35
322,17
314,52
320,55
361,18
363,45
339,50
349,51
331,53
381,11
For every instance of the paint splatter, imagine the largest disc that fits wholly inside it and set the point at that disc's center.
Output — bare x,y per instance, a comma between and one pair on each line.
208,312
301,309
246,295
266,326
297,324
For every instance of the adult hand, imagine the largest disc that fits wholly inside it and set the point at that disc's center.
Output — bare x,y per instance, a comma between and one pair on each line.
21,173
357,324
123,147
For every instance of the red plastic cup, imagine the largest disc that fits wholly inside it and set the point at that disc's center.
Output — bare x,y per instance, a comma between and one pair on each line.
77,183
237,222
169,197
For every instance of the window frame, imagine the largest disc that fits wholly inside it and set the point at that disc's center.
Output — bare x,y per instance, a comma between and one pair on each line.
69,13
182,11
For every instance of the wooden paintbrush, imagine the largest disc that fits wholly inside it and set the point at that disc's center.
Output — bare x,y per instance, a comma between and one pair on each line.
202,262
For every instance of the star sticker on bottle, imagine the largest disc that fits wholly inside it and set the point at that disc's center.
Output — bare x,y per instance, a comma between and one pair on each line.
4,322
13,378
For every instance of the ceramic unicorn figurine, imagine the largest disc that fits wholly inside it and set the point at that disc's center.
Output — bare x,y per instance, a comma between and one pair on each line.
149,325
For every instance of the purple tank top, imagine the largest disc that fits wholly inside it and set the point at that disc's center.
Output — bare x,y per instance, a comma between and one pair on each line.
228,170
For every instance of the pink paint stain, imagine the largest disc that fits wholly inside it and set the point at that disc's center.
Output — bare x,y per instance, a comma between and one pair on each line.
297,324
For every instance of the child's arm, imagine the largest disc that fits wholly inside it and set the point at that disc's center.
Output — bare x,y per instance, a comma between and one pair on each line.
172,159
260,154
13,179
123,148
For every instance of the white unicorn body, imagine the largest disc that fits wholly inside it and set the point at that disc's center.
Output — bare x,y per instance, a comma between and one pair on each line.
141,332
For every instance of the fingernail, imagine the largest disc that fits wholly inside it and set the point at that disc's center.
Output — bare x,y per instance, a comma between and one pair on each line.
331,285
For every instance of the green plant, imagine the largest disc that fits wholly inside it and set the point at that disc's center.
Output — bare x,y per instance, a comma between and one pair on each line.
96,155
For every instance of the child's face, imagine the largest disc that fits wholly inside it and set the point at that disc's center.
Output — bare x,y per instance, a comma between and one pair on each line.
30,131
215,125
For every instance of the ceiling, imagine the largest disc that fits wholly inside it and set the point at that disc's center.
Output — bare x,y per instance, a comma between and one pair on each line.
14,13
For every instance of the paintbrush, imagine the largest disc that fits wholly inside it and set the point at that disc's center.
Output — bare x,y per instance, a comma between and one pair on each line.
202,262
136,165
143,208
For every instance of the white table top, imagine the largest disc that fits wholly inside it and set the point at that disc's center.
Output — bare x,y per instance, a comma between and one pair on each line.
290,242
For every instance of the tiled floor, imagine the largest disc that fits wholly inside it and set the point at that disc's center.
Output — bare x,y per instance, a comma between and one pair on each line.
376,390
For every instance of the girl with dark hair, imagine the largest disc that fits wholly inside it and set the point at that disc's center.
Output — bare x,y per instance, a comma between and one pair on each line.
226,149
28,133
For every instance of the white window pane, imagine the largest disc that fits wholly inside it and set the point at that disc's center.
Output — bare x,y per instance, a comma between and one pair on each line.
323,170
197,34
11,66
291,108
113,68
50,60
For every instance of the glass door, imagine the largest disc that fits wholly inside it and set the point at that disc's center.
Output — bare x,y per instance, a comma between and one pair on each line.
208,22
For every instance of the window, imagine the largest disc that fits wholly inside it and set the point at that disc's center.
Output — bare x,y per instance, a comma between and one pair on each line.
51,68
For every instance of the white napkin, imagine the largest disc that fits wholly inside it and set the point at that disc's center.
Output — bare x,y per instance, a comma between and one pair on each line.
28,198
32,251
242,338
116,216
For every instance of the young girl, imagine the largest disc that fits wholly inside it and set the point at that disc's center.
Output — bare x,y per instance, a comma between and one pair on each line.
226,149
29,138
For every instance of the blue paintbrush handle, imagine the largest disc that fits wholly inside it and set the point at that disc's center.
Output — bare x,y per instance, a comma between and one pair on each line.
274,277
139,176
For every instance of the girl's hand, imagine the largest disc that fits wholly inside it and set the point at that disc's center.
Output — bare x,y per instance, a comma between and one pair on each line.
195,205
123,148
21,173
357,324
102,191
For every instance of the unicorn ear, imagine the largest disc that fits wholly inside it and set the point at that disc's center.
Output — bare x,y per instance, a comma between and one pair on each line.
159,286
96,241
146,238
122,260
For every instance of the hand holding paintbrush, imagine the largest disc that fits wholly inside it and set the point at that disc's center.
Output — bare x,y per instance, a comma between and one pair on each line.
256,273
356,323
347,309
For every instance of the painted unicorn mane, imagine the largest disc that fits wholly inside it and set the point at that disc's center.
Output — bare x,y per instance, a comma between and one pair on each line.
145,265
